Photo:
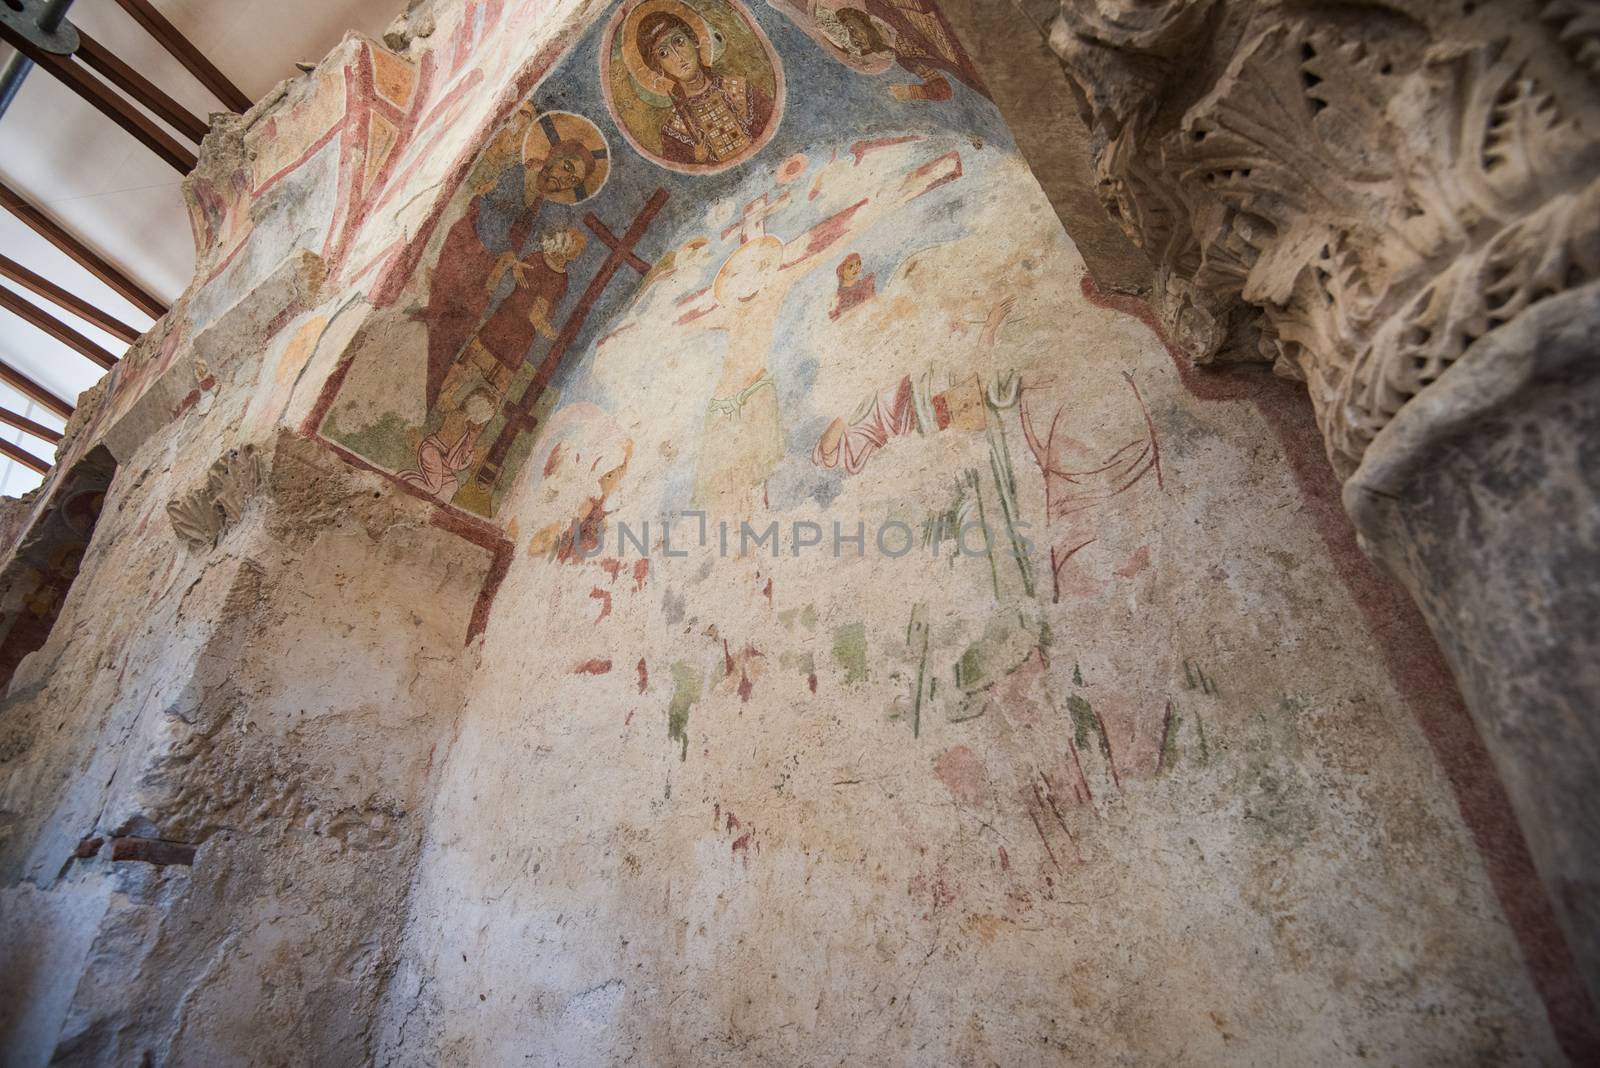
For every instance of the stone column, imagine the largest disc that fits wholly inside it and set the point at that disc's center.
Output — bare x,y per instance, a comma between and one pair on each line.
1399,205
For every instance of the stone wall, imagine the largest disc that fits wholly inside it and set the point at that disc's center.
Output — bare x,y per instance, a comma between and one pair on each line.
410,706
1397,204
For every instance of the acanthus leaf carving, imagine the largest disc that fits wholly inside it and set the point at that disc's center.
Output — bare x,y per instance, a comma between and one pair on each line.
1381,186
200,516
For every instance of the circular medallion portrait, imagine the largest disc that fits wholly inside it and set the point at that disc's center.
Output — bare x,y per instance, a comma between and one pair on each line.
694,85
564,157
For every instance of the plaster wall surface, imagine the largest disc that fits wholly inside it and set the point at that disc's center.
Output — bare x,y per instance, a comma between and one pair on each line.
365,736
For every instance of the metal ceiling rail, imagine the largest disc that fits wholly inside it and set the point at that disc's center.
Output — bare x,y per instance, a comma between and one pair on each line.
28,426
167,35
36,316
16,272
104,99
24,457
101,60
85,257
34,391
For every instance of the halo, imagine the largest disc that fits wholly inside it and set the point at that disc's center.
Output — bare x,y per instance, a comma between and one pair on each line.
643,75
766,244
551,128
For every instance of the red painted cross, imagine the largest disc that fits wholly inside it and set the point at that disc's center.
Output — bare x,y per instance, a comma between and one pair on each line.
753,221
519,416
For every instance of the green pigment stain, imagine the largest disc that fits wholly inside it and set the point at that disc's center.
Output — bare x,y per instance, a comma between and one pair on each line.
850,651
1169,752
1082,720
686,683
1085,721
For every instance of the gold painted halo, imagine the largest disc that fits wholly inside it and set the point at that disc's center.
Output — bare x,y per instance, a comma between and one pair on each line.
552,128
646,77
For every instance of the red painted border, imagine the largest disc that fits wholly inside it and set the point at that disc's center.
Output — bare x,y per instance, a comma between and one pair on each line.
1418,670
469,528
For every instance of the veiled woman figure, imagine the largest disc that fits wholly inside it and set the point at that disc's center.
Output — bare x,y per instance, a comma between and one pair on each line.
713,98
716,117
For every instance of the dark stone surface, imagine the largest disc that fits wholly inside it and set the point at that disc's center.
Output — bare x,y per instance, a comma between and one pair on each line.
1038,102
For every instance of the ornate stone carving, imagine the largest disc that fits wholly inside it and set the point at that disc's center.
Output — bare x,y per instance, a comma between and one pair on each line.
1356,194
200,516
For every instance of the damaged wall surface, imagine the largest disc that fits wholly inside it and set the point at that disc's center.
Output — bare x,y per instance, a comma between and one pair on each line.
645,541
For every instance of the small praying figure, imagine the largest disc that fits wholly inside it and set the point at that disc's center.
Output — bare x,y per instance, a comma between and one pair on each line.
853,289
448,451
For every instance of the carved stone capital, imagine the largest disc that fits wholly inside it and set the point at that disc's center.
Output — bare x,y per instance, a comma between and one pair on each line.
1357,195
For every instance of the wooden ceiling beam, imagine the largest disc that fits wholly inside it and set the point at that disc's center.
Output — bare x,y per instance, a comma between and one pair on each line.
34,315
167,35
104,99
34,391
28,426
23,456
16,272
52,231
103,62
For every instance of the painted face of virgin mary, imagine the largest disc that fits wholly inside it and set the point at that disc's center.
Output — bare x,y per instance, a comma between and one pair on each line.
671,48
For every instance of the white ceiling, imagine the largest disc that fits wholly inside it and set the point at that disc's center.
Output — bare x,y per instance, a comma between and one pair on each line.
116,195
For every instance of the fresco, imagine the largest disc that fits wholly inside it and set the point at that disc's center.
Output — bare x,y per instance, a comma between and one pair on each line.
836,304
871,36
851,593
695,87
842,304
592,193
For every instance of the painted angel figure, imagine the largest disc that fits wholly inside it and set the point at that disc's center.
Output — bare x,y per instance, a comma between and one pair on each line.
912,32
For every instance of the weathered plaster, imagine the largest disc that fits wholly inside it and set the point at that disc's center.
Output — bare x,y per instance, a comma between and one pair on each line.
348,747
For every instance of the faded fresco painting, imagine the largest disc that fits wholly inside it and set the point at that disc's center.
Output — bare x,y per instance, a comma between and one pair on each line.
661,289
756,598
577,201
874,36
695,87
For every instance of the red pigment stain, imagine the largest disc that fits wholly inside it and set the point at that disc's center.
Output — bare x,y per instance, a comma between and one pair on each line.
552,461
811,681
1136,563
745,687
605,602
768,592
962,773
861,149
1005,859
741,843
733,822
727,658
592,667
611,565
641,571
938,888
644,675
